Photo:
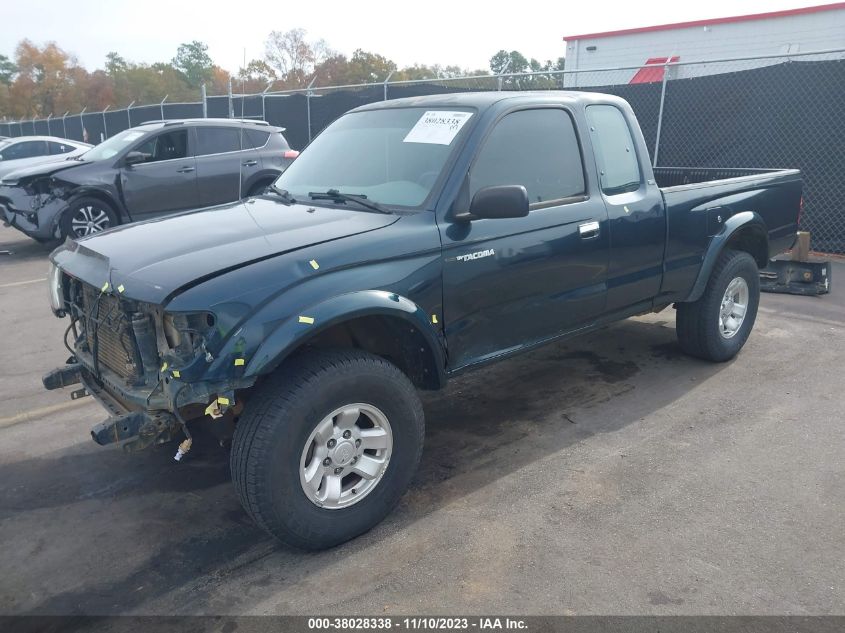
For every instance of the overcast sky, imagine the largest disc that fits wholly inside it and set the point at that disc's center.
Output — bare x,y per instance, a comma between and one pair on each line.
456,32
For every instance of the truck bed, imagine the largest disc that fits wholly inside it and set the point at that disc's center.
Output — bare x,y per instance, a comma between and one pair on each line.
700,201
667,177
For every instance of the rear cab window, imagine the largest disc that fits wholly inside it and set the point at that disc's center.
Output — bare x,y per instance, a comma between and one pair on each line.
537,149
613,144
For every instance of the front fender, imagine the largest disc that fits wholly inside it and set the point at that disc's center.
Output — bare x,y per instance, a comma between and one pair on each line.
293,332
744,220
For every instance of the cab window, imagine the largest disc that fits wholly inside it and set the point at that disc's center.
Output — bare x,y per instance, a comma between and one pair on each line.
534,148
614,149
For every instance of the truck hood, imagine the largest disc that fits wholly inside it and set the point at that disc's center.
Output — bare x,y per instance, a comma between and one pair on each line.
154,260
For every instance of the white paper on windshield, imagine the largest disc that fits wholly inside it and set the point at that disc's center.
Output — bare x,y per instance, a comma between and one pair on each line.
438,127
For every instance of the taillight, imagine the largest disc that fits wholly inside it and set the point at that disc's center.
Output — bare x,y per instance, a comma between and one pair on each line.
291,153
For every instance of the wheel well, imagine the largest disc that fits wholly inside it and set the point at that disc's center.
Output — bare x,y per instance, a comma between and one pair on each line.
394,339
752,240
260,184
97,195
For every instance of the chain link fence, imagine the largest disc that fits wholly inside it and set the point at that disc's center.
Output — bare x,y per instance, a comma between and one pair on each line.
763,112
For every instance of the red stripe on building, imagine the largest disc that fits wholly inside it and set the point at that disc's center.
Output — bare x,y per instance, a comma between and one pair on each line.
653,70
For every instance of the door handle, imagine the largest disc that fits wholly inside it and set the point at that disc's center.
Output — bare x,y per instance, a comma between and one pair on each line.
185,170
250,163
588,230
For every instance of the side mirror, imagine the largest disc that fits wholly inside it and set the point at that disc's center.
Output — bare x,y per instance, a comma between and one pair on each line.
499,201
133,158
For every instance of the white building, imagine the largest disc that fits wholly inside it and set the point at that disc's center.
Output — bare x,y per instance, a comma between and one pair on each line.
644,50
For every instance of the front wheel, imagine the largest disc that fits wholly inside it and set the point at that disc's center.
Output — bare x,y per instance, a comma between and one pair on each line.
717,325
86,216
327,446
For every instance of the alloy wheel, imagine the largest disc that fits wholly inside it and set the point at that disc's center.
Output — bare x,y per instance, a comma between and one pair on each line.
733,308
346,456
89,219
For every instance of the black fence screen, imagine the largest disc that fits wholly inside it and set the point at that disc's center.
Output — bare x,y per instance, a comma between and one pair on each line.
787,114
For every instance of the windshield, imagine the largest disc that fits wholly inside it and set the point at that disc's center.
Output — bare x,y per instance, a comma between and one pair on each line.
391,156
113,146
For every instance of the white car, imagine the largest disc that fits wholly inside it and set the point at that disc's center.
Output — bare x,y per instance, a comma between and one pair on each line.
25,151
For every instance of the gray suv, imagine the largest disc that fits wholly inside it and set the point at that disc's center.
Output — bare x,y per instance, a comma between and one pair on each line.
154,169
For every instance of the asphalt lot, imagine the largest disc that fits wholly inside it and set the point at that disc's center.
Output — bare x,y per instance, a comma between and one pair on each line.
608,475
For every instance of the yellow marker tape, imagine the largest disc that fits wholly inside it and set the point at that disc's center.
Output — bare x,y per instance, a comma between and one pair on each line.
176,373
222,400
434,318
314,264
163,367
305,319
239,362
120,288
105,287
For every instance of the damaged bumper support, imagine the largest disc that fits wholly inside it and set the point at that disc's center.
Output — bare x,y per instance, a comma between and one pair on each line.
136,430
139,418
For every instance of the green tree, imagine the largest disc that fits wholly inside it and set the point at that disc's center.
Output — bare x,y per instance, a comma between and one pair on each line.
293,57
7,70
115,64
193,61
509,62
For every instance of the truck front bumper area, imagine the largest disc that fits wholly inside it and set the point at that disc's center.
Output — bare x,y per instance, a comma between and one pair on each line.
144,416
132,430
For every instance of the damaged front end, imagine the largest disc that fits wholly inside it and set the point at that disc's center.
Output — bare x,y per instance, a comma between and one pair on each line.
144,365
34,205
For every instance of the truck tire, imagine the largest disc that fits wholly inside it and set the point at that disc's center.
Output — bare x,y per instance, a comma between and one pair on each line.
716,326
320,414
86,216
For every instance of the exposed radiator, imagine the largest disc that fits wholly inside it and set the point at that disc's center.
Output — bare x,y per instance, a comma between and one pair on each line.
116,347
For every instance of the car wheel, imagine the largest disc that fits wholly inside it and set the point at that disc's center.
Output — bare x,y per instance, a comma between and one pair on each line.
717,325
327,446
86,216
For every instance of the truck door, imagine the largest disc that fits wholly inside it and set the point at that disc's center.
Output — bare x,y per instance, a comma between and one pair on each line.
636,214
165,181
512,282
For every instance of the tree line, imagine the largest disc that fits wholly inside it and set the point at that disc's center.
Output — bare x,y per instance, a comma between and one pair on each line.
43,80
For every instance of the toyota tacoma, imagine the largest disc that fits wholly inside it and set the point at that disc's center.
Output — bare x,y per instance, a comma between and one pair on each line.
413,240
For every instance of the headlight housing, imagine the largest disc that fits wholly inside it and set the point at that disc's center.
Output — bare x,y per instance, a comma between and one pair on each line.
54,281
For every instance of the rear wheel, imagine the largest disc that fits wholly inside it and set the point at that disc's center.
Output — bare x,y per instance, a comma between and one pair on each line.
717,325
86,216
327,446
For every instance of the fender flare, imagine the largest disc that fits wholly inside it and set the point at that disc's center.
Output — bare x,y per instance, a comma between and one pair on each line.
293,332
744,220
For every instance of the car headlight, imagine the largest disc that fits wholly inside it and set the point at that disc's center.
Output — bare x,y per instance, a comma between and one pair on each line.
54,280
